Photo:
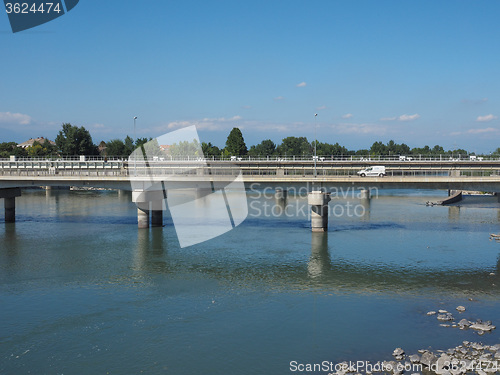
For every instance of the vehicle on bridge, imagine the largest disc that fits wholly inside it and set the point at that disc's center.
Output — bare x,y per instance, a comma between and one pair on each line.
377,170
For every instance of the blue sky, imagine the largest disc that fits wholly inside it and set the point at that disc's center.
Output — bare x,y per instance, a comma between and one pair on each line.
419,72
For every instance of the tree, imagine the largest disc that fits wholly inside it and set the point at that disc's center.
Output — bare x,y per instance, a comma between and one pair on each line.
73,140
128,146
38,149
264,148
378,148
235,143
209,150
115,147
10,148
295,146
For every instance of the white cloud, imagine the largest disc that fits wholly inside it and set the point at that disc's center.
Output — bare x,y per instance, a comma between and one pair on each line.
206,123
279,98
246,107
347,115
408,117
486,118
346,128
404,117
14,118
320,108
302,84
482,131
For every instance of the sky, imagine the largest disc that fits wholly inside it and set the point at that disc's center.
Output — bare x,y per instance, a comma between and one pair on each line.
416,72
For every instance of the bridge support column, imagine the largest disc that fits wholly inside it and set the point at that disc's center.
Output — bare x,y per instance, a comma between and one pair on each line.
9,196
498,196
156,216
142,217
318,201
146,201
280,193
364,194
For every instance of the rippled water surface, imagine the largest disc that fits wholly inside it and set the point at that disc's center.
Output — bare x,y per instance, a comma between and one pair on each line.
83,291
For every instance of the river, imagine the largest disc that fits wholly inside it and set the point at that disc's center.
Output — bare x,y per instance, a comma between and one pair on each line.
83,291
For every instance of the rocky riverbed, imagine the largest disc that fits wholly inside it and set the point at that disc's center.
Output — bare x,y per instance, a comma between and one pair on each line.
466,358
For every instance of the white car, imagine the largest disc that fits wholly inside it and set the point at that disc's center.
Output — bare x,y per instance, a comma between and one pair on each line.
377,170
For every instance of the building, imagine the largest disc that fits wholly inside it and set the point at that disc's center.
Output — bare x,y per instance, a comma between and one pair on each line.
30,142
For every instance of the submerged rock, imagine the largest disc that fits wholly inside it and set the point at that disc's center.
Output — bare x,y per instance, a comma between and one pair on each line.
482,326
445,317
398,352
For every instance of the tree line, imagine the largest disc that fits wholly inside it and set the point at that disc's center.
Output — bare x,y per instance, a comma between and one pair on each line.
72,140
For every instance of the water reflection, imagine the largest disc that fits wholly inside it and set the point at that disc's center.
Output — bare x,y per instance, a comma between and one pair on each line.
364,209
453,214
150,251
319,262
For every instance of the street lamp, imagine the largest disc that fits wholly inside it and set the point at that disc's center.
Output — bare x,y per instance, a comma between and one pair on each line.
315,143
135,156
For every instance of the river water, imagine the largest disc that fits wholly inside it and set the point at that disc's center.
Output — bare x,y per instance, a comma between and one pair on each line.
83,291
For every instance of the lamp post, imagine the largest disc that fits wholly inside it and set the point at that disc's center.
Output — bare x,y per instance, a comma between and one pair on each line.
315,144
135,156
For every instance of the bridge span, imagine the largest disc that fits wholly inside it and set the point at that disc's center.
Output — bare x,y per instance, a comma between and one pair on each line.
326,176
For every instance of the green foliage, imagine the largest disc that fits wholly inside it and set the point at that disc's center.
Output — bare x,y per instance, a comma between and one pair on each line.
210,150
295,146
141,141
265,148
116,147
235,143
44,149
128,146
10,148
73,140
326,149
185,149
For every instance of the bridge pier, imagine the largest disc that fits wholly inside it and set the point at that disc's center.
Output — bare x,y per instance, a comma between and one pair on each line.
142,217
9,196
318,201
280,193
149,201
156,216
365,194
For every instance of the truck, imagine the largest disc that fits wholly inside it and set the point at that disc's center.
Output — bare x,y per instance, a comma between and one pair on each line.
377,170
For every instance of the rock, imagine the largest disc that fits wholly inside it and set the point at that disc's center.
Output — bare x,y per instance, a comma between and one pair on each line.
398,352
431,313
460,308
414,358
445,317
482,327
442,311
427,359
444,325
464,323
495,348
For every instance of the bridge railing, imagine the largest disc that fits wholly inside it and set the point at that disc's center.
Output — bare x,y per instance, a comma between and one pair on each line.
221,169
274,158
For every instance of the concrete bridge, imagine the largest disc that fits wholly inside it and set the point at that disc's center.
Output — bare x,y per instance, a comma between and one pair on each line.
319,175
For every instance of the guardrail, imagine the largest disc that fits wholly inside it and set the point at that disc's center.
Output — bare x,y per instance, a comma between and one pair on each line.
72,169
298,158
